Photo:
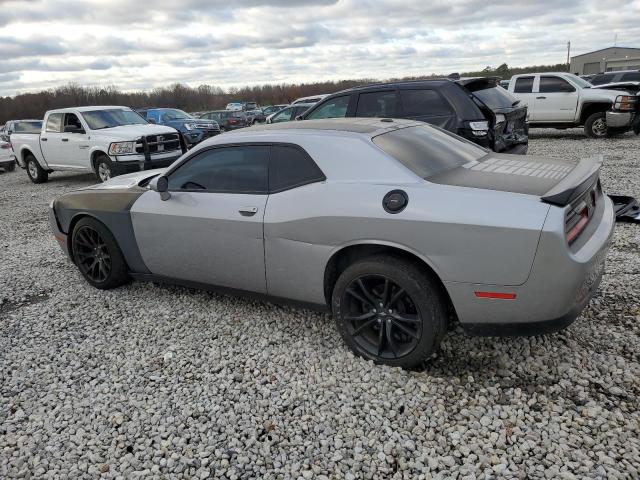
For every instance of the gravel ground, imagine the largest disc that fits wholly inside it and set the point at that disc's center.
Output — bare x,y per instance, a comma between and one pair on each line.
169,382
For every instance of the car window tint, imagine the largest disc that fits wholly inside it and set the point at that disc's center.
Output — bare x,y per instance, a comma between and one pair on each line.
378,104
631,77
291,167
423,102
72,119
524,85
602,79
283,116
242,169
54,122
332,108
554,85
428,150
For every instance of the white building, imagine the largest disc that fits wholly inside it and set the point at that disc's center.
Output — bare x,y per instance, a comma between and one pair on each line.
606,60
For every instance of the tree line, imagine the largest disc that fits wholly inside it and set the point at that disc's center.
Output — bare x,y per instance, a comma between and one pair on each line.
203,97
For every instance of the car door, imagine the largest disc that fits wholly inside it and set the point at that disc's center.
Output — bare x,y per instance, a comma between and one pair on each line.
74,142
427,105
523,91
51,140
556,100
210,230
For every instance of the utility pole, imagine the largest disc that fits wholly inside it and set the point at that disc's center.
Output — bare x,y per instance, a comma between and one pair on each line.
568,55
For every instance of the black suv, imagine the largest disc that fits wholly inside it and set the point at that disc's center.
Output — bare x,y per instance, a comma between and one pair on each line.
478,109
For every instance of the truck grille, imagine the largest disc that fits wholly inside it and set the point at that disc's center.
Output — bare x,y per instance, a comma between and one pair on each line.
159,143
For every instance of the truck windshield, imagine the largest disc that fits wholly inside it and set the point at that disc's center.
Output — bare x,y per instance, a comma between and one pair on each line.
428,150
174,114
99,119
27,127
581,82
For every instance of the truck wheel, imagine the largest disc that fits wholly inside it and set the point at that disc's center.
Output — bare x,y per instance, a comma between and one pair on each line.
596,125
36,173
104,168
389,311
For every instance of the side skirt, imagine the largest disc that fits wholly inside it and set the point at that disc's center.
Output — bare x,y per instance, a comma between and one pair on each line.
233,292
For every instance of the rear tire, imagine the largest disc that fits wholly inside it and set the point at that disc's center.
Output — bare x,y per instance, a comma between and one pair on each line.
97,255
36,173
596,125
103,168
390,311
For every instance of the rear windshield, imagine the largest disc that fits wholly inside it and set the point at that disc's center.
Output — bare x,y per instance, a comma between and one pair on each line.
495,98
27,127
427,150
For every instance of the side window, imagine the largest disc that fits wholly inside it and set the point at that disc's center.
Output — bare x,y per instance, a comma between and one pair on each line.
378,104
54,122
423,102
523,85
283,116
554,85
153,115
241,169
332,108
291,167
71,119
631,77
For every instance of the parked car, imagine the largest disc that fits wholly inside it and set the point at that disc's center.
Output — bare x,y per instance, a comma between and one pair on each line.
107,141
563,100
20,126
255,116
246,106
311,99
7,158
273,109
616,77
193,130
477,109
227,119
393,225
234,106
289,113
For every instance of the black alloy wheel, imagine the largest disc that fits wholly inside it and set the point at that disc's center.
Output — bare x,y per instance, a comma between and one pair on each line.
382,318
92,254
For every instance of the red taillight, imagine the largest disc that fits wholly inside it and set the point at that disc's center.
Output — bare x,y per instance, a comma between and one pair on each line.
578,227
5,146
498,295
233,121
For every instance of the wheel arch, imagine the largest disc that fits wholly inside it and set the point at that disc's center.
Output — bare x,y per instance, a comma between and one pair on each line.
348,254
590,108
94,156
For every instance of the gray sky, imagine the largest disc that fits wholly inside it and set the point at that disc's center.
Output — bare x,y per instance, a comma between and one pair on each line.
146,44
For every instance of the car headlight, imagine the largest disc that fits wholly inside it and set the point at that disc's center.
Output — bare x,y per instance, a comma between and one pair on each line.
189,126
122,148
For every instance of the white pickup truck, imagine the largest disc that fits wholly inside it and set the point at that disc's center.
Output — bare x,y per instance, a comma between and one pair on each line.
564,100
107,141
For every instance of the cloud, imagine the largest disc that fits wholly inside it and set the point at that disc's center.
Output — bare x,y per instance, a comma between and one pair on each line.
143,45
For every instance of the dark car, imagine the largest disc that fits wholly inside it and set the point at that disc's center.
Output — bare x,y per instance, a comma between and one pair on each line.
227,119
477,109
193,130
255,116
616,77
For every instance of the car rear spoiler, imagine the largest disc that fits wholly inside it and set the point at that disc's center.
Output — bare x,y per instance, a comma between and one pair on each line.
578,181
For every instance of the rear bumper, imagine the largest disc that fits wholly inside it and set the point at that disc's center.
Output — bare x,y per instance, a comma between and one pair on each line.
560,285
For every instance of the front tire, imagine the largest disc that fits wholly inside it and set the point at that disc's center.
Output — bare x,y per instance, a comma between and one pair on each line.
390,311
596,125
36,173
103,168
97,255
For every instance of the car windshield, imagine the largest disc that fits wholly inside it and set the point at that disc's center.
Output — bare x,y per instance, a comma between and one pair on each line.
175,114
99,119
495,98
581,82
27,127
427,150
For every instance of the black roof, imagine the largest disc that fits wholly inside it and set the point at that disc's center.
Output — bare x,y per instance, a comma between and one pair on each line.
403,83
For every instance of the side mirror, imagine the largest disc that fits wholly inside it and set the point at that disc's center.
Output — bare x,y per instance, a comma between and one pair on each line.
160,184
151,120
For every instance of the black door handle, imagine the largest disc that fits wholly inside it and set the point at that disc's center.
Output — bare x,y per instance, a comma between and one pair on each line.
65,139
541,98
43,139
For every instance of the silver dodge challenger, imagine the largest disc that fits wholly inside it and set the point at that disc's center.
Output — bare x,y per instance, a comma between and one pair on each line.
397,227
